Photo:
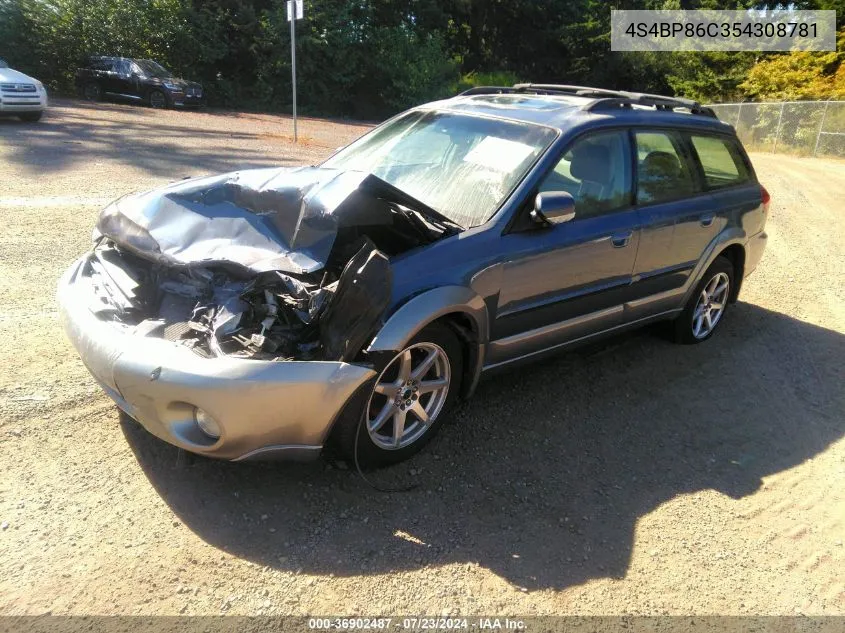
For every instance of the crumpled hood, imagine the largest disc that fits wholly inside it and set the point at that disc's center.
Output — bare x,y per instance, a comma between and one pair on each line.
234,253
261,219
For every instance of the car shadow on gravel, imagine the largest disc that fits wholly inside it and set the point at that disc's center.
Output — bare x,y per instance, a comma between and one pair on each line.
546,471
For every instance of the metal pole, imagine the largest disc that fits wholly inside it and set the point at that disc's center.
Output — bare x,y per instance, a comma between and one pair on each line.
777,132
292,14
821,127
738,114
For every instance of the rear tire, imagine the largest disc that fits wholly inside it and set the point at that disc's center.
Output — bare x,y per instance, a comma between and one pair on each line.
395,399
707,305
31,117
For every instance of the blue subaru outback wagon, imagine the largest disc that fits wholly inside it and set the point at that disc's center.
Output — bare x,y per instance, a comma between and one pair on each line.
272,313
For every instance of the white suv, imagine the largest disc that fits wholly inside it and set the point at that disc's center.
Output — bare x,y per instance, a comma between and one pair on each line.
21,95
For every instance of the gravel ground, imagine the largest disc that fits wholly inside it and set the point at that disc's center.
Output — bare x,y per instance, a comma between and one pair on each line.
633,477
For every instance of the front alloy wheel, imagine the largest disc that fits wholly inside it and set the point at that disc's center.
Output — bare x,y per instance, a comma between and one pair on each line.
158,99
91,91
408,397
407,404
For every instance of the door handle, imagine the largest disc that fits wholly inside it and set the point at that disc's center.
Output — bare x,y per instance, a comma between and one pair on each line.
620,240
706,220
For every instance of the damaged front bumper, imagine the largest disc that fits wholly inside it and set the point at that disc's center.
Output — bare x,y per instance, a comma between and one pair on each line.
264,409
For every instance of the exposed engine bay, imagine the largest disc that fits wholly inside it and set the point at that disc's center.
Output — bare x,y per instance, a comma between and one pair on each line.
272,264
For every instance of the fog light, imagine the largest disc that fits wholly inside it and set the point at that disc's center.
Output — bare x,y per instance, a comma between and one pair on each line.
207,424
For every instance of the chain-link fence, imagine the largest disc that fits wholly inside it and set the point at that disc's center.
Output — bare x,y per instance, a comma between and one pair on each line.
806,128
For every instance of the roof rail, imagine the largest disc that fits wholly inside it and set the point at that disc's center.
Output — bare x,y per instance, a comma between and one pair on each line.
605,99
581,91
487,90
658,102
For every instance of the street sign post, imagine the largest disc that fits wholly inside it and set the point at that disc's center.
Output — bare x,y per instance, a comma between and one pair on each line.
295,12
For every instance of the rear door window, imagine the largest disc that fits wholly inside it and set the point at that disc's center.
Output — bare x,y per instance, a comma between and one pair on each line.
721,161
663,173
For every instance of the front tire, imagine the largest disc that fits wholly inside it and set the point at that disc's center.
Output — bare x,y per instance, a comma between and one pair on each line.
408,403
706,308
31,117
91,91
158,100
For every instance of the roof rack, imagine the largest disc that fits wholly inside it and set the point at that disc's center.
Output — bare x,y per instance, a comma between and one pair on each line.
605,99
583,91
580,91
658,102
487,90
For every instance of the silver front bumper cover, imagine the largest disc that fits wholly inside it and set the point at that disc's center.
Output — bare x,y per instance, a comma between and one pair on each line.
265,409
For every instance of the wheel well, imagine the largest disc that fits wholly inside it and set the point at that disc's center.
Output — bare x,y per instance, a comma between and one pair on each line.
153,89
735,253
467,330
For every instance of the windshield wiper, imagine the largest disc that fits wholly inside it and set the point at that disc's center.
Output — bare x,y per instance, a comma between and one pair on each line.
426,223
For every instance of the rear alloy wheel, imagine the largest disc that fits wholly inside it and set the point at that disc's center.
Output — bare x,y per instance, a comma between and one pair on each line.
408,401
712,301
91,91
158,99
708,304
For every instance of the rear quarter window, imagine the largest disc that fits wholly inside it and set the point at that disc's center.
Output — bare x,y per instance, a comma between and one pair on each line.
721,161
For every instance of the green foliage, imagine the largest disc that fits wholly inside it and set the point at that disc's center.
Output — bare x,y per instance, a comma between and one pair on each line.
492,78
709,77
371,58
50,39
408,69
351,61
798,75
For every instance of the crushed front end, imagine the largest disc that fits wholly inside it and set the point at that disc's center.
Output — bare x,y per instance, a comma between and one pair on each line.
227,315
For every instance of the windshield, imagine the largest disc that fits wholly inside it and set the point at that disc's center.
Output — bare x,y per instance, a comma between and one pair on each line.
151,69
461,166
3,63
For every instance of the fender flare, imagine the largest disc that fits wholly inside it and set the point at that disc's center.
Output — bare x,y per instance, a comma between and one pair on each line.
429,306
721,243
426,308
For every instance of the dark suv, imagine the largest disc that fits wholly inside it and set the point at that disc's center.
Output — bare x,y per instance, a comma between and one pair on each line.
271,312
136,80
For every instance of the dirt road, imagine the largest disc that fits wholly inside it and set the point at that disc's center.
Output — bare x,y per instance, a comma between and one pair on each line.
636,477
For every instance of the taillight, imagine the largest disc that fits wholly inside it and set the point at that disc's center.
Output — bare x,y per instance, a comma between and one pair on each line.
766,198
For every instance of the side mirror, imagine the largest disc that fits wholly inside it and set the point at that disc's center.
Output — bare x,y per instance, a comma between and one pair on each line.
553,207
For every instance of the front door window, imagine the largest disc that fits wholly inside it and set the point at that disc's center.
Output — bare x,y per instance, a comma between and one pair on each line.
596,171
